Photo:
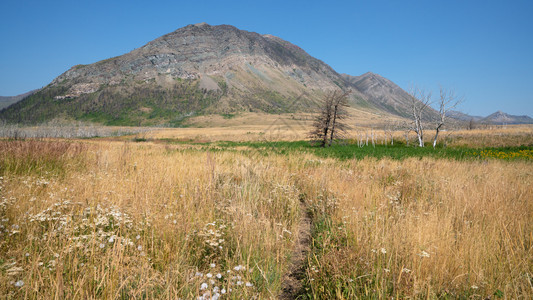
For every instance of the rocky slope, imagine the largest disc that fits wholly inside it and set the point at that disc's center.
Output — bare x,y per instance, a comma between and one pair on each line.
381,93
200,69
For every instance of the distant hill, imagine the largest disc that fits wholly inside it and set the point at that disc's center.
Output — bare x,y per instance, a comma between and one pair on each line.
6,101
497,118
462,116
201,69
500,117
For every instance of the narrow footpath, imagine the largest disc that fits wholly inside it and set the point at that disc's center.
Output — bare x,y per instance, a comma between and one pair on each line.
292,286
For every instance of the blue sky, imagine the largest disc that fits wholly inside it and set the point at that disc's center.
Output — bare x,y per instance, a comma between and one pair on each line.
481,49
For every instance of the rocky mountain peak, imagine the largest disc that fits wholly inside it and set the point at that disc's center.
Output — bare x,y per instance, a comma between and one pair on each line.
370,75
201,24
198,49
499,114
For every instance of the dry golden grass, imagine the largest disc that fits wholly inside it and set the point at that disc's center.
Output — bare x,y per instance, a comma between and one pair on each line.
364,125
141,221
114,219
493,136
423,228
260,126
356,117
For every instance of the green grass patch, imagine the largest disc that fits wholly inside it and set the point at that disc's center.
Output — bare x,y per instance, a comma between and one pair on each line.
184,141
399,151
228,116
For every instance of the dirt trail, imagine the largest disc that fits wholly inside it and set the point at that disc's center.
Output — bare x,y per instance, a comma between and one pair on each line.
292,286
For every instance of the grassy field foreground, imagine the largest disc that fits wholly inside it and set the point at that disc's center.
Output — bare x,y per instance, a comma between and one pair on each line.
99,219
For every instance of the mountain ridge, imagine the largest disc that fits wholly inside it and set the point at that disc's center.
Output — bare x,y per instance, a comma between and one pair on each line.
497,118
458,115
6,101
383,94
502,118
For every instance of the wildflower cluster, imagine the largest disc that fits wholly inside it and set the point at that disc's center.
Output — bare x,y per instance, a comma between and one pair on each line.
213,235
170,217
217,283
211,241
424,254
283,198
382,251
313,162
7,227
5,203
394,197
284,191
519,154
395,202
92,226
13,271
324,203
30,182
312,272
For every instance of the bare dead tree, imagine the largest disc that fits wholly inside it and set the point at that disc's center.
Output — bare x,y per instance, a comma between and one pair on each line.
329,125
372,134
338,126
420,101
389,130
471,124
322,122
448,100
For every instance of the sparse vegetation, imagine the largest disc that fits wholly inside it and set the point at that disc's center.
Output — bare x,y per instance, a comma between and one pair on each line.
228,116
420,103
447,101
135,104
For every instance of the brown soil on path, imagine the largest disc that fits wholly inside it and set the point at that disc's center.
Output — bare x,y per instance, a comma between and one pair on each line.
292,286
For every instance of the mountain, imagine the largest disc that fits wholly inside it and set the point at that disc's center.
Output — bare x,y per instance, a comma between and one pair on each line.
500,117
462,116
383,94
201,69
497,118
6,101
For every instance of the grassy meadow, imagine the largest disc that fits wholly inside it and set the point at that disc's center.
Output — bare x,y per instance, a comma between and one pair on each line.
193,214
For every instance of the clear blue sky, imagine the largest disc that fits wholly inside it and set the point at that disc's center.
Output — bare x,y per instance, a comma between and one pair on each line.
481,49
